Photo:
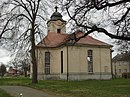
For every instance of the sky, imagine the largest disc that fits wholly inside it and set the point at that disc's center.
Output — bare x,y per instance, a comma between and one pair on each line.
4,56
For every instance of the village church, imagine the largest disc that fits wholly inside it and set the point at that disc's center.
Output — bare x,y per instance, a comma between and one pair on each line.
60,57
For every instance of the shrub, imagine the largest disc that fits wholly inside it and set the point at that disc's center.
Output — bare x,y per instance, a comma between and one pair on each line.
126,75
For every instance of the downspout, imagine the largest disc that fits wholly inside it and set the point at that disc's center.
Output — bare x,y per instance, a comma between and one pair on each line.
67,64
129,66
115,71
100,61
37,57
111,62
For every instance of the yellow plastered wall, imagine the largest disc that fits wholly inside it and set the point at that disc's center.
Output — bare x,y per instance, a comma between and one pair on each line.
55,59
52,27
77,59
120,65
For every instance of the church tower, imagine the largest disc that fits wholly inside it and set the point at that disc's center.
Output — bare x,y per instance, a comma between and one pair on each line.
56,24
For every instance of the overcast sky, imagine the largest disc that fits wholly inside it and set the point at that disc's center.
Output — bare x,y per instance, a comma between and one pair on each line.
4,56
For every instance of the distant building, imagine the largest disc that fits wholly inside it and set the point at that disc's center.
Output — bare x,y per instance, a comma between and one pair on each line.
121,64
59,56
11,71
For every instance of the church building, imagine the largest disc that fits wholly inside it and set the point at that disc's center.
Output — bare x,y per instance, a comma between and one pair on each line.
60,57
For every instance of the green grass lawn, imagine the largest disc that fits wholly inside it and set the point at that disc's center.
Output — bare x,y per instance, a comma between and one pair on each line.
4,94
89,88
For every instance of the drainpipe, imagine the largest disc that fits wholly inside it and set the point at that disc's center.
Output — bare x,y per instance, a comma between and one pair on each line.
115,71
129,66
111,63
37,62
67,64
100,61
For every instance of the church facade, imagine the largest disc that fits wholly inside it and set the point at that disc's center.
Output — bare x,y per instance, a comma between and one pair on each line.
61,57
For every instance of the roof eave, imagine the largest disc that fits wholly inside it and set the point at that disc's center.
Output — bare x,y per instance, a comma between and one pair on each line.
74,44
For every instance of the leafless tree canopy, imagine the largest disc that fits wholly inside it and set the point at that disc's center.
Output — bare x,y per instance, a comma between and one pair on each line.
21,22
96,15
16,17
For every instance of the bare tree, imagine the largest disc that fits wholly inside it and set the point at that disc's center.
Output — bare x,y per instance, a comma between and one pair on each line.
97,15
25,67
2,70
21,22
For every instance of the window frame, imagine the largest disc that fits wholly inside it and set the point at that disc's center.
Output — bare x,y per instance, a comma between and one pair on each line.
58,30
62,70
90,61
47,62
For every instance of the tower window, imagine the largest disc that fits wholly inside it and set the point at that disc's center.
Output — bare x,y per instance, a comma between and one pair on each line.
58,30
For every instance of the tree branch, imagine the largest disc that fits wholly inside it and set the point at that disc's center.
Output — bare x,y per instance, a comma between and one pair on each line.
123,16
108,4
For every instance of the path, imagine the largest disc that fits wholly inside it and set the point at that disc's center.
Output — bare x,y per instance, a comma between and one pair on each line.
26,91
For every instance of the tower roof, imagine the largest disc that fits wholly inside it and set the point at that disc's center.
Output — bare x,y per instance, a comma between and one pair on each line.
56,15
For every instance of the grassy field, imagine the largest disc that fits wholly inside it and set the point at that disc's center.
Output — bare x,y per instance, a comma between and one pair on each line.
89,88
4,94
12,81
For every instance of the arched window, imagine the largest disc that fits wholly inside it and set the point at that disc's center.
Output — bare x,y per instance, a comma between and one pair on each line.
47,62
90,61
61,61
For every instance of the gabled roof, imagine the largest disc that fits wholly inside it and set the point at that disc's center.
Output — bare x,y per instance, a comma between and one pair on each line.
90,40
122,57
58,39
53,40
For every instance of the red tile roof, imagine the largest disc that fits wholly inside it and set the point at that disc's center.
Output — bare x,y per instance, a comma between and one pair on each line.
53,40
57,39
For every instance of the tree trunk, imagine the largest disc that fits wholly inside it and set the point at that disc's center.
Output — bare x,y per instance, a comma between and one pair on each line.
25,73
34,63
